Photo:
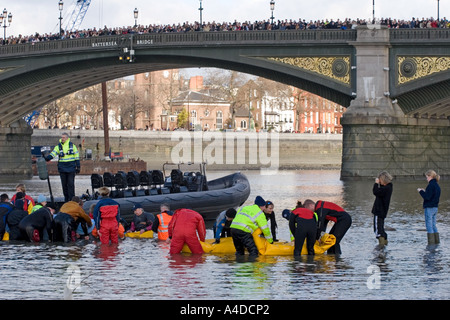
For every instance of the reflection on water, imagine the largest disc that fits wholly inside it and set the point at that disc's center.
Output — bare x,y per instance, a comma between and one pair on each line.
142,269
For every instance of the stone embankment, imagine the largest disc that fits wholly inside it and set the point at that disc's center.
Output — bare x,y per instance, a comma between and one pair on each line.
221,150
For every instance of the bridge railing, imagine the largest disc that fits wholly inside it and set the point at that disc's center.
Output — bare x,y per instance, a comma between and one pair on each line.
212,38
411,35
190,38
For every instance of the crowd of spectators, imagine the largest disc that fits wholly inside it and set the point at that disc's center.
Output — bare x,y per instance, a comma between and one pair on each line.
300,24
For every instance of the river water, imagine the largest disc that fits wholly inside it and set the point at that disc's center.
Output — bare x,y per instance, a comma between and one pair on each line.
142,269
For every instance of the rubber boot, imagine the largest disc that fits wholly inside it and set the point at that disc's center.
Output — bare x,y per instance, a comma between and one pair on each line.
436,238
382,241
431,238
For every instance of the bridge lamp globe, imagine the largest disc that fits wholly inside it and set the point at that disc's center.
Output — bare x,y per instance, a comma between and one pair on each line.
136,14
272,7
60,8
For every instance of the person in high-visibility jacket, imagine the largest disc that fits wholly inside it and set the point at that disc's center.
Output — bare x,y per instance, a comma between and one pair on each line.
246,221
161,223
68,164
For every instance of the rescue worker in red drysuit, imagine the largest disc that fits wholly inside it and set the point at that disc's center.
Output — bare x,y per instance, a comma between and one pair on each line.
303,225
107,216
328,211
183,228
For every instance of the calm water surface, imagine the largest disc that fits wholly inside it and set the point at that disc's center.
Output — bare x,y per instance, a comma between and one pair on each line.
142,269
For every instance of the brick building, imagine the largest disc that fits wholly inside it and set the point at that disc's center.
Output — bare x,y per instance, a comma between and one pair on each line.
206,109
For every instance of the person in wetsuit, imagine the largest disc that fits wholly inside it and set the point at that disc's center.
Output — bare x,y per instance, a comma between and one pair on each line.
328,211
14,218
33,225
270,216
142,220
5,208
303,225
66,222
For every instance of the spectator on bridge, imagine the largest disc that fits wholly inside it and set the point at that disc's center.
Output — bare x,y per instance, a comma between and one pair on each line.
68,164
300,24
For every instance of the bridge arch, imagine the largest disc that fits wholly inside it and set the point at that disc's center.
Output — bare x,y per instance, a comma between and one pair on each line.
32,75
388,118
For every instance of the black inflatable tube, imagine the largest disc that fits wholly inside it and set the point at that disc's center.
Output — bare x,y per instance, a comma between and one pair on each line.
230,191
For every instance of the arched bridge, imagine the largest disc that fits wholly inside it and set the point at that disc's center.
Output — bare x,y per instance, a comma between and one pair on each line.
320,61
374,72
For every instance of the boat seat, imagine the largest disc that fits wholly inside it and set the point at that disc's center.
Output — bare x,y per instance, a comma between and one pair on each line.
157,177
145,178
108,179
96,181
120,180
133,179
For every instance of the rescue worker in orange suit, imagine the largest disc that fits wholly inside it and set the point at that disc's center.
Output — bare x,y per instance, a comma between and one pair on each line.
328,211
107,216
303,225
161,223
183,228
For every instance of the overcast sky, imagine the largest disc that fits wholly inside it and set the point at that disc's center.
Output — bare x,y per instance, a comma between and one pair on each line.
30,16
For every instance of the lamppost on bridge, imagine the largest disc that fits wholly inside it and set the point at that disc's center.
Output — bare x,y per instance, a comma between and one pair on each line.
272,7
439,24
136,14
373,11
3,21
201,20
60,8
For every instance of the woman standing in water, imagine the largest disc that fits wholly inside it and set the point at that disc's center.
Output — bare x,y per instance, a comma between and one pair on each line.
382,190
430,204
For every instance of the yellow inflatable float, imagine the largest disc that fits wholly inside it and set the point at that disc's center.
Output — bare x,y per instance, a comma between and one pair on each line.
139,235
265,248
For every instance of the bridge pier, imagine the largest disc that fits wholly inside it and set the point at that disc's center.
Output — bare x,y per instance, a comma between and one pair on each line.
15,150
377,135
405,147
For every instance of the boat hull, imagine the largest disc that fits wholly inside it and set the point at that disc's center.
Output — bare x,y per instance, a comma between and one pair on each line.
230,191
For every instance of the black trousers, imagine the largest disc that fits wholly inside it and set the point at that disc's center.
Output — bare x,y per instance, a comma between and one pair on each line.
339,230
306,229
68,184
378,227
243,240
64,224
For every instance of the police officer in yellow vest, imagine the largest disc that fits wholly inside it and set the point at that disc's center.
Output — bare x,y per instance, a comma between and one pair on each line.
68,164
246,221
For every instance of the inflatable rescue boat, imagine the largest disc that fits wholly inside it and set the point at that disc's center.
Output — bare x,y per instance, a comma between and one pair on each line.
188,189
